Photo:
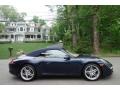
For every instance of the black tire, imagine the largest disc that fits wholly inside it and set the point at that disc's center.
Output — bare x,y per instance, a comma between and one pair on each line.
92,75
31,70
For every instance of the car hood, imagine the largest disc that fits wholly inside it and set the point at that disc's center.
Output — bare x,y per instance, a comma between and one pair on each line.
88,58
24,57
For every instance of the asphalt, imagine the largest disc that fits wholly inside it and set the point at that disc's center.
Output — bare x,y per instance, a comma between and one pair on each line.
7,79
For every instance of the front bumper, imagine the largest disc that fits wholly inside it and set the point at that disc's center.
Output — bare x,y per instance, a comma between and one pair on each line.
107,71
13,69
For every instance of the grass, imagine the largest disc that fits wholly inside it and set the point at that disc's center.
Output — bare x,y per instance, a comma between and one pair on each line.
113,52
110,53
26,47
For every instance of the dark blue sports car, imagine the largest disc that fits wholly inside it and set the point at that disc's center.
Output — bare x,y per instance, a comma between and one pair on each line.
58,61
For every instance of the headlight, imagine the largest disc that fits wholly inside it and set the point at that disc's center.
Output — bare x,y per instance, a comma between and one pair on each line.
107,63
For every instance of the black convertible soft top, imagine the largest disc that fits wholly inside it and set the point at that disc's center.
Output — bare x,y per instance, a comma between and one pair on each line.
38,52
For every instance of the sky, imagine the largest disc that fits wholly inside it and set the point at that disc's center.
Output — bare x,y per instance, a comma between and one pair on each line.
32,8
37,10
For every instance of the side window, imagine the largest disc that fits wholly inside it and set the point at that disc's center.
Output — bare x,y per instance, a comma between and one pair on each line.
55,53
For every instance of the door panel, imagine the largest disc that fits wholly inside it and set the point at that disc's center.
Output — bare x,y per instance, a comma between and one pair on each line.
60,66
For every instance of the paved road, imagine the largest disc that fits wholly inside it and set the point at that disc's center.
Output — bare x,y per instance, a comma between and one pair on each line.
8,79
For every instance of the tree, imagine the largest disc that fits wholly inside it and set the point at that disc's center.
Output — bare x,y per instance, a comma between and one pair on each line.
88,28
2,27
22,16
41,22
9,12
95,29
35,19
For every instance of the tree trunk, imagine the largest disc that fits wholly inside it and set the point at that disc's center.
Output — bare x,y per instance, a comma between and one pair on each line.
74,36
74,39
74,24
95,32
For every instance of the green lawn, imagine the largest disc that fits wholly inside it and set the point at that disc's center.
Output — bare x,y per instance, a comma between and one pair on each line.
26,47
110,53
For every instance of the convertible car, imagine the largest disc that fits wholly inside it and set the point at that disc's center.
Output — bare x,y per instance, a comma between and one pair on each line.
58,61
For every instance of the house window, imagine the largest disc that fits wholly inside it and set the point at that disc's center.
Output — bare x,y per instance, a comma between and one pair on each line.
38,30
27,36
38,36
28,29
21,28
12,36
46,37
31,36
6,36
11,29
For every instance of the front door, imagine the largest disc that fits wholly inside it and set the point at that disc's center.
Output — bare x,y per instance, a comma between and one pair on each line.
56,64
19,37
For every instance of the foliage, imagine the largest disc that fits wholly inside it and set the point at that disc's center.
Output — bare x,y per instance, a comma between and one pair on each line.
36,19
11,14
2,26
74,25
22,16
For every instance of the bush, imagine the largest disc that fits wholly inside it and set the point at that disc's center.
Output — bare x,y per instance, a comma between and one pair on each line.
83,47
4,42
38,41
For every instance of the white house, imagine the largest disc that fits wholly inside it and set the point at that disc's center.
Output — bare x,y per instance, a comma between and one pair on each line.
25,31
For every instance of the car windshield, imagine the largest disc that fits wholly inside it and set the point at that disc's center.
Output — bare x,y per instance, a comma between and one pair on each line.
71,54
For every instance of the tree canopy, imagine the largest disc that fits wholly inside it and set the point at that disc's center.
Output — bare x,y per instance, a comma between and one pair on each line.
88,29
36,19
11,14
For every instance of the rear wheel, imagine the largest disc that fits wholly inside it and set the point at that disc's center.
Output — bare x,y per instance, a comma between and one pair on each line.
92,72
27,73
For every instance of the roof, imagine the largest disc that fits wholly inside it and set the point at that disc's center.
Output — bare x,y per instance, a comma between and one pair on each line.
37,52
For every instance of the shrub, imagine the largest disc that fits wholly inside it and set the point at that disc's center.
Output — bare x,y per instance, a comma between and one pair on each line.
4,42
38,41
83,47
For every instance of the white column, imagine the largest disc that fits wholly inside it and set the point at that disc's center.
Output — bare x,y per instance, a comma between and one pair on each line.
36,37
41,35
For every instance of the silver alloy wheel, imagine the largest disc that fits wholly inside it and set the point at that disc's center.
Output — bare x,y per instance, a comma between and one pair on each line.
92,72
27,73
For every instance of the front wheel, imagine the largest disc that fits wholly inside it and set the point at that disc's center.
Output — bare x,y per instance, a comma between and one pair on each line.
27,73
92,72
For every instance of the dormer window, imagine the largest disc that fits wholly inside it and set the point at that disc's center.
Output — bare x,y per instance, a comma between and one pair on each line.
28,29
21,28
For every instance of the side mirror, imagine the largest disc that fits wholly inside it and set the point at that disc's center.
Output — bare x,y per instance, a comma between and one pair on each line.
67,58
